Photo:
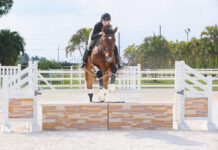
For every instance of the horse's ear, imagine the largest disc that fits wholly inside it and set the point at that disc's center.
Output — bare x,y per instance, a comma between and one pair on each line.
115,30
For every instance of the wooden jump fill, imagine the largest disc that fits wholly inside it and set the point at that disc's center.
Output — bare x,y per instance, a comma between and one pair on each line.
107,116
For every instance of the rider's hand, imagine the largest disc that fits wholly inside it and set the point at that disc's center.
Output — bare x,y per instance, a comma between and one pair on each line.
100,33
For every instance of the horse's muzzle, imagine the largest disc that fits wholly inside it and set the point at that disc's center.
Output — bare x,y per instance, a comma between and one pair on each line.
109,58
109,54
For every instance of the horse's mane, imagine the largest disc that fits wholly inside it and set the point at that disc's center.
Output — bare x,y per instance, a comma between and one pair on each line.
107,29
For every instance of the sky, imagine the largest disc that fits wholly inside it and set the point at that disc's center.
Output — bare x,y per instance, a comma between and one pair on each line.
46,25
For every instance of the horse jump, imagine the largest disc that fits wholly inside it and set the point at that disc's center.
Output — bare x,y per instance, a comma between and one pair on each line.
108,116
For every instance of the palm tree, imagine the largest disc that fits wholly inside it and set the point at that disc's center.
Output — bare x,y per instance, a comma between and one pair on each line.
210,39
157,51
130,55
78,41
11,46
5,6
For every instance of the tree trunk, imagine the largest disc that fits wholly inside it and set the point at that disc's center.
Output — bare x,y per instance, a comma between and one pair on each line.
81,53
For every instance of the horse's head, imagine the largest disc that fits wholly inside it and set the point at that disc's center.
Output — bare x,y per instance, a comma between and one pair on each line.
108,42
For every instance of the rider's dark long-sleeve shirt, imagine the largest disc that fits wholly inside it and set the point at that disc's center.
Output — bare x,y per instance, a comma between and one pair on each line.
97,29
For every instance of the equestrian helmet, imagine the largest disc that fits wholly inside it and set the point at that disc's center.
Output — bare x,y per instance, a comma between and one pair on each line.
106,17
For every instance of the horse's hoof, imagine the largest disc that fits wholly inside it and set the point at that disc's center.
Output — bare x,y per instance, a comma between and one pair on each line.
111,87
101,95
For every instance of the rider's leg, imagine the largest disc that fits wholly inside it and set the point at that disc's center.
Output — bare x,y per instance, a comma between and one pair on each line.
117,57
87,53
85,57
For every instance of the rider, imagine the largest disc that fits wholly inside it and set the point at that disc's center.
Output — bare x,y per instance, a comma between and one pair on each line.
95,35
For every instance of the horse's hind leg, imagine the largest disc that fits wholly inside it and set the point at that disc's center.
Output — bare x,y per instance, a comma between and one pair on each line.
113,78
113,75
90,96
106,82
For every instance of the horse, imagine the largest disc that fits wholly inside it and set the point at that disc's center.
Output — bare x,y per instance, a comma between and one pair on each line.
101,63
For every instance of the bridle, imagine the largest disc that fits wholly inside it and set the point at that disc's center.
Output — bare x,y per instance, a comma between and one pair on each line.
107,57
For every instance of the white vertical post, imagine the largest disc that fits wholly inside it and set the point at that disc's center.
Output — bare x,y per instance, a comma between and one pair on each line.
181,87
128,78
125,78
139,76
17,73
209,86
6,127
85,85
119,81
62,76
176,96
209,125
30,75
38,81
35,127
79,78
135,78
71,76
182,124
133,73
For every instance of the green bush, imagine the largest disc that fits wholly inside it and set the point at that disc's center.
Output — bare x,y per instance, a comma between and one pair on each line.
47,64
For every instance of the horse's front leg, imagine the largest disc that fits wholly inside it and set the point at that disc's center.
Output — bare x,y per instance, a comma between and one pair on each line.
111,87
99,74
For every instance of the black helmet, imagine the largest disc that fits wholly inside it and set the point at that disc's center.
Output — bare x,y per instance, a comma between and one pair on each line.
106,17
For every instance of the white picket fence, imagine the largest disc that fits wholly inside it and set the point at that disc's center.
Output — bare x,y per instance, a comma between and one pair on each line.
8,71
65,78
129,78
74,78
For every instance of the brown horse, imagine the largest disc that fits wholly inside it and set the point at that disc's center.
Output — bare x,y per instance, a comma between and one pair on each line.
101,63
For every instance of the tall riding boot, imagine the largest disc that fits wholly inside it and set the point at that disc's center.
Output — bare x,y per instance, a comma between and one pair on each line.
117,57
85,56
88,52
